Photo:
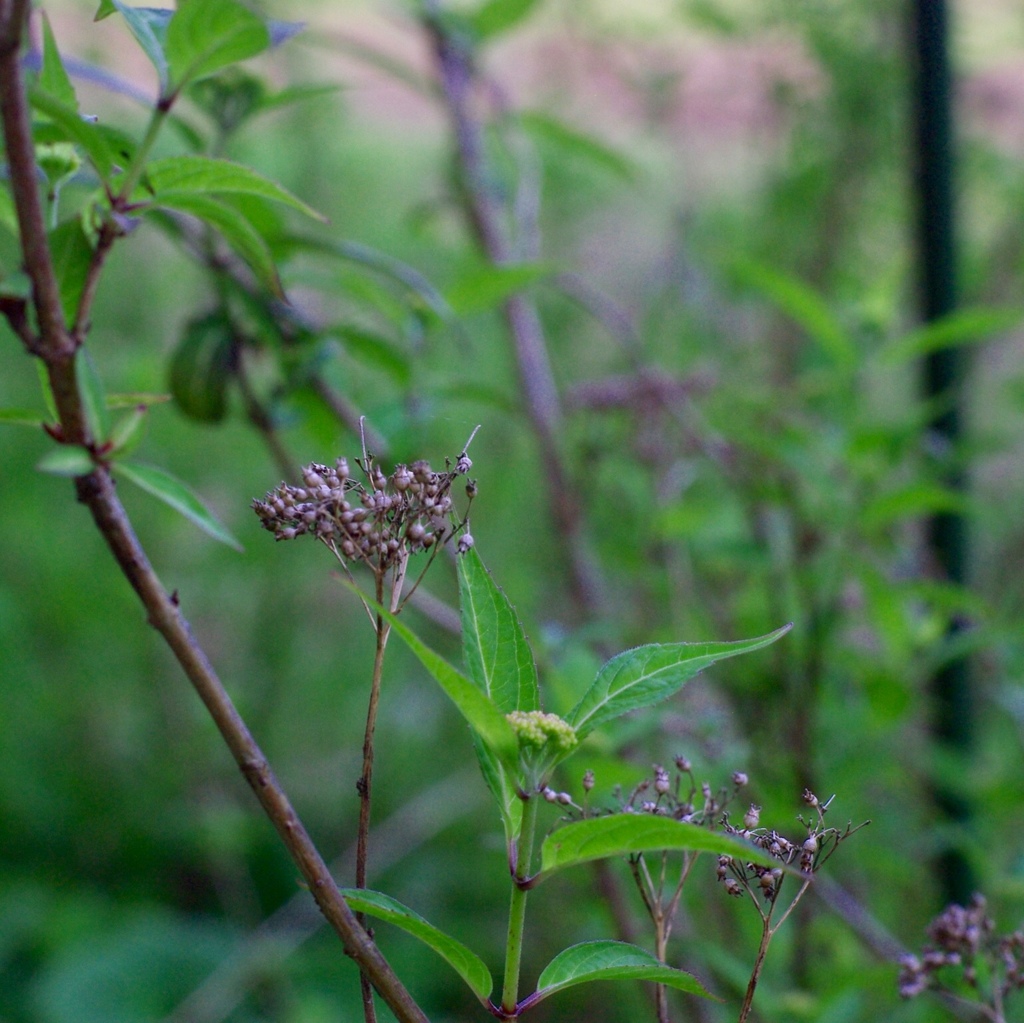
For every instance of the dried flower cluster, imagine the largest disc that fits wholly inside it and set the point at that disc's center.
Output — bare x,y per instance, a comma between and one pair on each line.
667,795
379,520
807,853
963,939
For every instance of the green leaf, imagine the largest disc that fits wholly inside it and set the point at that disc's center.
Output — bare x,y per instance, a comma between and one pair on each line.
200,369
503,787
487,287
21,417
377,351
174,493
466,963
47,390
207,35
805,306
497,16
72,258
94,399
478,709
130,399
103,146
648,674
622,834
128,432
578,144
53,78
610,960
149,27
67,461
233,226
913,501
494,644
966,326
204,175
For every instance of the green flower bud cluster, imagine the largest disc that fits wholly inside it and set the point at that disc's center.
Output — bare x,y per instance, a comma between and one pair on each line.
534,729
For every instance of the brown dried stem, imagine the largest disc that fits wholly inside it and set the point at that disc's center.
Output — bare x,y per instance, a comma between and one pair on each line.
488,219
56,346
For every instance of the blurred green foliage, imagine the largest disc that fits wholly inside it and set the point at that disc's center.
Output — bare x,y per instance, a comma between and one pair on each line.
743,427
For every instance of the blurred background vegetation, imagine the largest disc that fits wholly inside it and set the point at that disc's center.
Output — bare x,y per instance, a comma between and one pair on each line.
719,246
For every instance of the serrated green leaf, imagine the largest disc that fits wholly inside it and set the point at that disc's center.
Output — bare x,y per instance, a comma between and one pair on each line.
963,327
487,287
177,495
498,16
72,258
466,963
21,417
66,461
648,674
94,399
610,960
207,175
805,306
200,369
207,35
233,226
53,78
623,834
479,710
494,643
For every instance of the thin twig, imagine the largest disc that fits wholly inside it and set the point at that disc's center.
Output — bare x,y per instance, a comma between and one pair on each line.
96,491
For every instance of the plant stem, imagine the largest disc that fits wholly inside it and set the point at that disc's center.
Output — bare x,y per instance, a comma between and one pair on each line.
365,786
517,906
96,490
748,999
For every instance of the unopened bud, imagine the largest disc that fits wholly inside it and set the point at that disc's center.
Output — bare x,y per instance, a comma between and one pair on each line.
810,798
739,779
465,543
752,817
588,781
464,464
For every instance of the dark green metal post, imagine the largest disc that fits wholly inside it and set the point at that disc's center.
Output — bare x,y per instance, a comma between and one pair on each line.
952,702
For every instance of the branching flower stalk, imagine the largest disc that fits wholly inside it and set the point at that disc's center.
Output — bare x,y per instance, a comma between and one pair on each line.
763,885
663,795
379,522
